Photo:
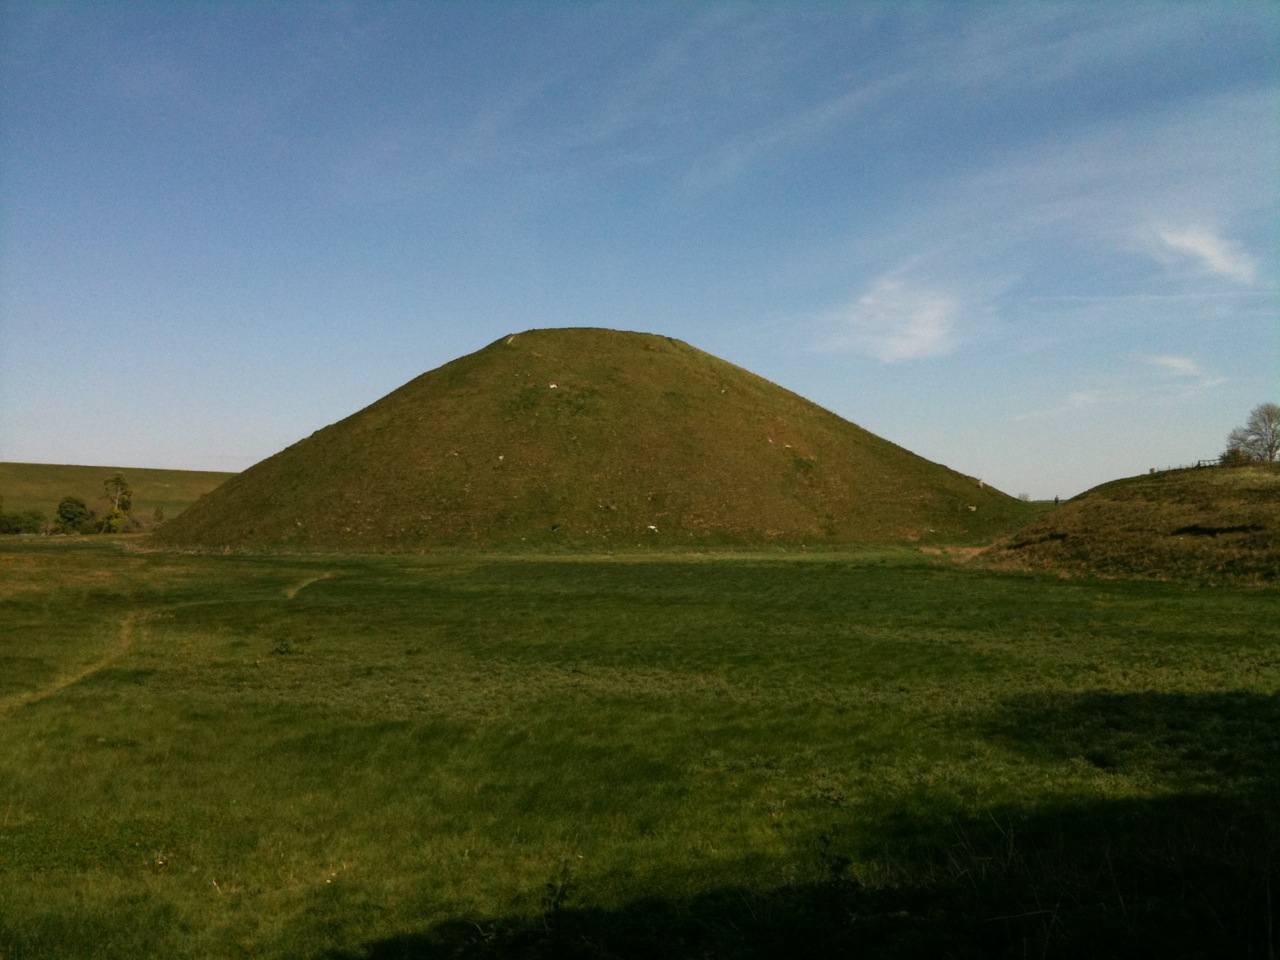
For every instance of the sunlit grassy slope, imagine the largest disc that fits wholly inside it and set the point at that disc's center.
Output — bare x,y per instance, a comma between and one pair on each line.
1211,524
40,486
864,754
597,439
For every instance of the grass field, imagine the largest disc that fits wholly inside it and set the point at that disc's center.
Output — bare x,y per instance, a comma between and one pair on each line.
39,486
874,754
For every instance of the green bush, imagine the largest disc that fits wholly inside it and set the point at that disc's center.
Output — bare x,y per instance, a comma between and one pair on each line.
28,521
74,516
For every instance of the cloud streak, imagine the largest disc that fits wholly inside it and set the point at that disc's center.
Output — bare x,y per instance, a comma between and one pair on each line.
1185,370
892,323
1074,402
1182,378
1215,254
1177,366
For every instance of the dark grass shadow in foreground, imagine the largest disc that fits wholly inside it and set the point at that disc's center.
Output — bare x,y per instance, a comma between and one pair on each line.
1227,743
1190,875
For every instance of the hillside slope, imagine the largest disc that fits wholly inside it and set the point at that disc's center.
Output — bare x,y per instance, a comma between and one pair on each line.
591,438
40,486
1215,524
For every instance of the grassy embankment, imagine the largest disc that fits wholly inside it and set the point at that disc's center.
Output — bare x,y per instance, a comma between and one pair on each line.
40,486
1212,524
208,756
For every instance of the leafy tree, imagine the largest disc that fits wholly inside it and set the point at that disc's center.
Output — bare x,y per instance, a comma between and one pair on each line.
74,515
119,493
1259,438
120,496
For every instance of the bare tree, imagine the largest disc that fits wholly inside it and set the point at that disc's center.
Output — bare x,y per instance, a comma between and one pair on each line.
1259,438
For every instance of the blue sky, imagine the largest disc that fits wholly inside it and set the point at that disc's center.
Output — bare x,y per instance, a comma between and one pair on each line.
1035,242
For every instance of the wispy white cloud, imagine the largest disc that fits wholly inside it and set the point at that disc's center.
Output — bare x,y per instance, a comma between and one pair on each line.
1125,298
1218,255
1074,402
1039,47
1178,366
1079,237
1094,183
892,322
1181,379
1187,372
725,162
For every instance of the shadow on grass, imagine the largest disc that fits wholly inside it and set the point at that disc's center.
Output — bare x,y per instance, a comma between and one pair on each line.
1191,874
1223,742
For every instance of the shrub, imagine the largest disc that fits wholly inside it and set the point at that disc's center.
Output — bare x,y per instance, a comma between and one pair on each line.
1235,457
28,521
74,516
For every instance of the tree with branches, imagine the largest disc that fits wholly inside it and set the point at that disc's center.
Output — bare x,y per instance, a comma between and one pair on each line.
1259,439
119,492
121,496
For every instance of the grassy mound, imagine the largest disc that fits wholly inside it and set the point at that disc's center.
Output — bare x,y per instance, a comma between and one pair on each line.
591,439
1213,524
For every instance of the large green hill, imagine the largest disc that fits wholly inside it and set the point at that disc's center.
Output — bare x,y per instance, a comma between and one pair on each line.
1209,524
591,439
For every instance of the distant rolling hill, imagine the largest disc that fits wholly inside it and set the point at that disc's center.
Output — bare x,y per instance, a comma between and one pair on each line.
1214,524
40,486
591,439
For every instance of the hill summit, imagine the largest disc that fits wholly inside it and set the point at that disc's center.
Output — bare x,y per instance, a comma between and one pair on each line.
592,439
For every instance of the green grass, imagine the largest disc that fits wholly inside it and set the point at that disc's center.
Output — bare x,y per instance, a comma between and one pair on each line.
867,753
40,486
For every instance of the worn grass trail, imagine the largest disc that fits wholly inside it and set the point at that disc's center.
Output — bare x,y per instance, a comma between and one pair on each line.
687,756
128,624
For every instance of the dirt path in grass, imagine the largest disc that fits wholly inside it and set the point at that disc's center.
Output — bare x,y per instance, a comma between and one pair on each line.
956,553
123,644
297,588
118,649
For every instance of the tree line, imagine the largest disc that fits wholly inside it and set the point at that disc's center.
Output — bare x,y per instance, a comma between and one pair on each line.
74,515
